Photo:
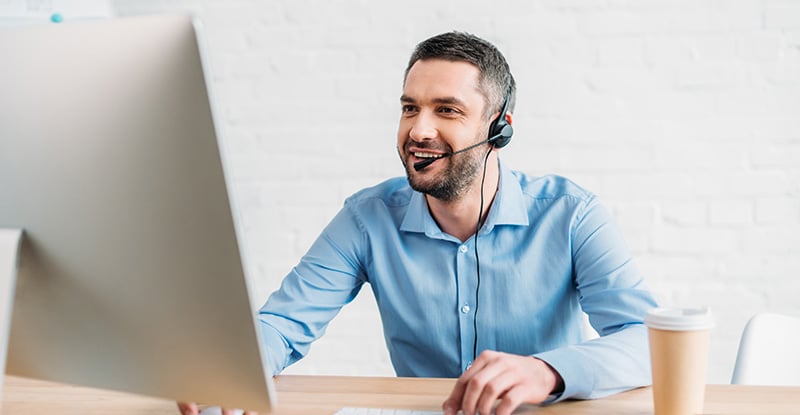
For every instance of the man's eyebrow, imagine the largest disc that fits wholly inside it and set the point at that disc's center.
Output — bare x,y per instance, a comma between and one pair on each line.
441,100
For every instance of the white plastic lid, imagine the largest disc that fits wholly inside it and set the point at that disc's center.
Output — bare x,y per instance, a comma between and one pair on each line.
679,319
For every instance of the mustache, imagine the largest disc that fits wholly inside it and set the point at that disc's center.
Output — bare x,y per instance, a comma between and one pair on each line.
426,145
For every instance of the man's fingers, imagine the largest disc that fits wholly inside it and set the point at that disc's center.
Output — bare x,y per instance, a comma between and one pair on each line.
477,387
191,408
188,408
453,402
510,401
496,388
449,407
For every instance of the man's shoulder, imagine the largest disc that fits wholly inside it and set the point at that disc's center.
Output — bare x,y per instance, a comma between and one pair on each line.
393,192
551,186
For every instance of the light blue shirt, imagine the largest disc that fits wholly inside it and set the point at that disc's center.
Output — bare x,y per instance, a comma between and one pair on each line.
547,250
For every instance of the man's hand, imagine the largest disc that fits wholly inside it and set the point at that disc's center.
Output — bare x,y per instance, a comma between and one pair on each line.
512,379
190,408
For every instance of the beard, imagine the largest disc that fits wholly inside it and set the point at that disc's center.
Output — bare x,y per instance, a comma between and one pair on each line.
460,172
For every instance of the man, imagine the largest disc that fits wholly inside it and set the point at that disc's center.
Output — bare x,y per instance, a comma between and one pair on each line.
499,308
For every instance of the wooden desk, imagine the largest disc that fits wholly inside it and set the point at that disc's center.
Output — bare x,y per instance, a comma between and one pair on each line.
319,395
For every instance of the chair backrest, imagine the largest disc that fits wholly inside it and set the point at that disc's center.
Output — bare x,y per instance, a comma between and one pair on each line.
769,352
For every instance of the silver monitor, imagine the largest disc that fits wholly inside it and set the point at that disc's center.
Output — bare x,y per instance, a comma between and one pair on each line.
130,275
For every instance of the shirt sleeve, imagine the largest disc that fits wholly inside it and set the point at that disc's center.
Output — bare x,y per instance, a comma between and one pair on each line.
328,276
613,294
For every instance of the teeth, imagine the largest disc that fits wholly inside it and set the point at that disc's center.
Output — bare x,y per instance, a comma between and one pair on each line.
423,155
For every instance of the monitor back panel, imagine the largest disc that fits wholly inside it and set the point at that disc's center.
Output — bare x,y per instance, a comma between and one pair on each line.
130,276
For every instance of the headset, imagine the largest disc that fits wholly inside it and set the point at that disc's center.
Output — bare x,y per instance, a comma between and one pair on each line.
500,131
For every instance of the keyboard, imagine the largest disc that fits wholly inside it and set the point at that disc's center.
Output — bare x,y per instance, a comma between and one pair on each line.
383,411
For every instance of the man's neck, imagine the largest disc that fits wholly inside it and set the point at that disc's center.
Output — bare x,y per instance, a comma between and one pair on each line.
459,217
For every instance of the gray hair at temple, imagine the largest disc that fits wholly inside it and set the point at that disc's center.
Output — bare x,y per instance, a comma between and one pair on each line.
495,75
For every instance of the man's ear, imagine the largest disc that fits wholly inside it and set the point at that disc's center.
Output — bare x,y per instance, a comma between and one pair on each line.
509,118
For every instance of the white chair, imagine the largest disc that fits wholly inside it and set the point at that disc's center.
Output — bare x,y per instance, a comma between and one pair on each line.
769,352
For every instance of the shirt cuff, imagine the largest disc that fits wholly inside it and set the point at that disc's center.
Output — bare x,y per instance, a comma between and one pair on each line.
273,349
577,375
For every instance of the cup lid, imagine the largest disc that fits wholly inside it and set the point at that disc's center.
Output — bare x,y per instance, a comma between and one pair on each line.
679,318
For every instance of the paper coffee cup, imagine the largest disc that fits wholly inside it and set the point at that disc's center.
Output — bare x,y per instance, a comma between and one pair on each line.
679,358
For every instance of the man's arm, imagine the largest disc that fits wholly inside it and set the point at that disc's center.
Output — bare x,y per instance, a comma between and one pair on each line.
329,276
612,292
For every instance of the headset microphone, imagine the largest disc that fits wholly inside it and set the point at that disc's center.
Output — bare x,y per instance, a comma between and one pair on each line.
425,163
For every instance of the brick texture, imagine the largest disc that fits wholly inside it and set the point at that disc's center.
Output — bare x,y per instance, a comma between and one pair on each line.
683,116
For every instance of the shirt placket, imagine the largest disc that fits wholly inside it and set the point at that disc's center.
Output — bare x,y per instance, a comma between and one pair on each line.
466,282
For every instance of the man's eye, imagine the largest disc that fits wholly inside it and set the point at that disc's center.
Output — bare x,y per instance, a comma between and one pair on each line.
408,108
448,110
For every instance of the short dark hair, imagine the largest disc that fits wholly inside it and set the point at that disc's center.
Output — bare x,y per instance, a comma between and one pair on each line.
495,76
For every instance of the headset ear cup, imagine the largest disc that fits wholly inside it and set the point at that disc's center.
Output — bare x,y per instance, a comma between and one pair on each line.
505,133
500,129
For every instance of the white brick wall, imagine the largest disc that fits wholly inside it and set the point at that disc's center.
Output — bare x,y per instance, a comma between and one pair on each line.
683,115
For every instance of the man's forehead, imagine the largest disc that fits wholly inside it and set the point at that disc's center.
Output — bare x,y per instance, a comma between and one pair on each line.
442,78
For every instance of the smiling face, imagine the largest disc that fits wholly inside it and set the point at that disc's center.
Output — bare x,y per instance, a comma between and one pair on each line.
443,110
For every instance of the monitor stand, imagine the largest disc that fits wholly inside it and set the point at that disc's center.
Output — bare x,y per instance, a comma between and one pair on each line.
10,241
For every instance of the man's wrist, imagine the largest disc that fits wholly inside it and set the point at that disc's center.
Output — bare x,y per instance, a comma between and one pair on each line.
556,380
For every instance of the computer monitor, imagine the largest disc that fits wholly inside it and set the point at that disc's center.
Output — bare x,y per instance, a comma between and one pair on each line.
130,275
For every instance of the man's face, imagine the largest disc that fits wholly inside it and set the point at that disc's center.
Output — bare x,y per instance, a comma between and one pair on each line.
442,111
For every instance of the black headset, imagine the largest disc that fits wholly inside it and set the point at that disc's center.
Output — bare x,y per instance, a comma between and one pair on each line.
500,131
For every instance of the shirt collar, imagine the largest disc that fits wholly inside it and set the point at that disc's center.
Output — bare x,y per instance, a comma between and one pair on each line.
508,209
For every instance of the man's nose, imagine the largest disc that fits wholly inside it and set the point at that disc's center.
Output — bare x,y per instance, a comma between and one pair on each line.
423,127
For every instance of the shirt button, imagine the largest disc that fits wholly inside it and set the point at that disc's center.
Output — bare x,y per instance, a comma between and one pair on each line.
462,248
465,309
